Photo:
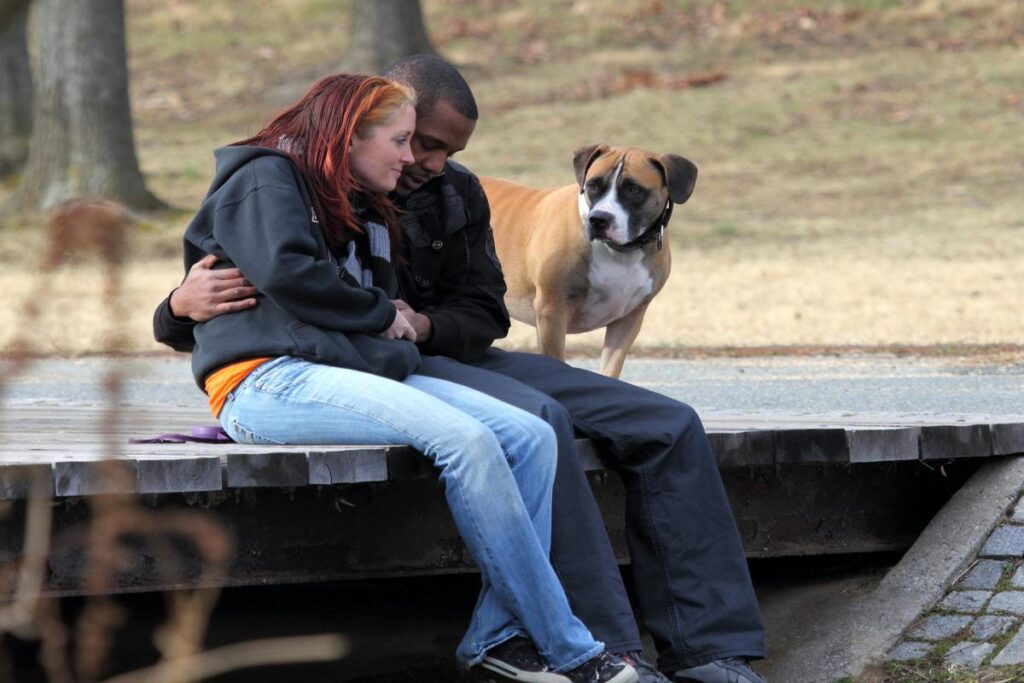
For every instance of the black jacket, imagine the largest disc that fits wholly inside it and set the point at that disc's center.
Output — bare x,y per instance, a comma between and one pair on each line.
258,217
451,272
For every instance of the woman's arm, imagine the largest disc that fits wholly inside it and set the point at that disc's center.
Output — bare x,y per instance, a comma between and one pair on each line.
268,234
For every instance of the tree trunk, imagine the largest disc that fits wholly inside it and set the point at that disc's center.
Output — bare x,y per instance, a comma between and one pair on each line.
9,11
82,142
383,31
43,183
15,93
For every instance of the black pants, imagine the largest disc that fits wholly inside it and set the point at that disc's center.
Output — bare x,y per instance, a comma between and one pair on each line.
692,582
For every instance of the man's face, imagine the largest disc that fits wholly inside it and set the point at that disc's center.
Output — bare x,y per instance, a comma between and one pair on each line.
440,133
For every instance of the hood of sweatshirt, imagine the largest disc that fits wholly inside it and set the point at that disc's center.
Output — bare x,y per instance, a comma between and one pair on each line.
230,159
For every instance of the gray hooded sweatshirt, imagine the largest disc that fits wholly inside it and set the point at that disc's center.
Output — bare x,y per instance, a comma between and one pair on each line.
258,217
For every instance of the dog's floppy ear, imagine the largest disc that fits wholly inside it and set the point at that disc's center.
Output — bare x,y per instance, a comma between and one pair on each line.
680,176
583,157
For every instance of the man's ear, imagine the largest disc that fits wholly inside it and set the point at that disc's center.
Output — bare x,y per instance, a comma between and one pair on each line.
680,176
583,157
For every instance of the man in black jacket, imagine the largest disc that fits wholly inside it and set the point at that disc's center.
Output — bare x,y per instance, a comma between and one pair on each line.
691,578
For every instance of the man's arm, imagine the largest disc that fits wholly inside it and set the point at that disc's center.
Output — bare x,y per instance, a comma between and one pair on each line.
205,293
468,311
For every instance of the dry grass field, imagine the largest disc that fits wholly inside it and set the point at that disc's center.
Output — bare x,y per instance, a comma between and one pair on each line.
861,163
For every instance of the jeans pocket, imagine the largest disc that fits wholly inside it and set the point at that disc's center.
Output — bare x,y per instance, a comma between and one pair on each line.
275,376
248,436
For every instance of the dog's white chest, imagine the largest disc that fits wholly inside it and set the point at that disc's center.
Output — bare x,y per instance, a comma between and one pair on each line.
619,282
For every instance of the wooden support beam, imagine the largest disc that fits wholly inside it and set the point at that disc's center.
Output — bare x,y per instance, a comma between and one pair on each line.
94,477
179,475
263,469
884,445
348,466
1008,439
746,448
947,442
16,480
811,445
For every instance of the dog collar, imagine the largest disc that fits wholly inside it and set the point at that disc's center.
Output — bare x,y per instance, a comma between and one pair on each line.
656,231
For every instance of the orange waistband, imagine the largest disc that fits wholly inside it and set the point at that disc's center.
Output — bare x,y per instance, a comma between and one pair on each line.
222,382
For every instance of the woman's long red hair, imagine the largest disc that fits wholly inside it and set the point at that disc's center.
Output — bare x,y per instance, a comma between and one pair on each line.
316,132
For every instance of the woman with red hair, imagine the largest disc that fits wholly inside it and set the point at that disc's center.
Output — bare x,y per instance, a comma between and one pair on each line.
326,357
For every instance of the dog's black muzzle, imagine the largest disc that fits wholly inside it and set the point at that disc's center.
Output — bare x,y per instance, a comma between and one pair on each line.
597,225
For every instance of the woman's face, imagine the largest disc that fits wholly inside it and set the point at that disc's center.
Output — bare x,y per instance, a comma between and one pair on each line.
377,160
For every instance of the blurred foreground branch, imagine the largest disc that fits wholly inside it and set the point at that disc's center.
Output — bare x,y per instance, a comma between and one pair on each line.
239,656
119,529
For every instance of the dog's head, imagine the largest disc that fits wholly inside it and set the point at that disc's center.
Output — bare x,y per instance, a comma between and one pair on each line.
626,194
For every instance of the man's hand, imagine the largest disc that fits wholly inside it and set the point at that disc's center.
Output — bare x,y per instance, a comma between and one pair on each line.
207,293
421,323
400,329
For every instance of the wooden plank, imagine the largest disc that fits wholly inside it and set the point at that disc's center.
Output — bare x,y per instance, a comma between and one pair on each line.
884,445
94,477
70,436
946,442
348,466
1008,439
16,481
811,445
267,469
743,448
179,475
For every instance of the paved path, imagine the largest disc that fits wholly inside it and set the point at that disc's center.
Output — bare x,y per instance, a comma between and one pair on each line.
784,385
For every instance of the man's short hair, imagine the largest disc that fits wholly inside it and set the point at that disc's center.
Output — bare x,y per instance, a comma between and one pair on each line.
434,79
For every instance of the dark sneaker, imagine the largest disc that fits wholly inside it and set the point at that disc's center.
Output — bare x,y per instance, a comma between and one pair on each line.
728,670
516,659
604,668
644,669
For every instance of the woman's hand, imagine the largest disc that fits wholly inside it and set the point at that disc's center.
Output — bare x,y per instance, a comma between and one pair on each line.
422,324
400,328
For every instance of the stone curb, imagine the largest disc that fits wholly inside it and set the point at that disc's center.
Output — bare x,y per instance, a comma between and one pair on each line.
866,631
979,549
993,614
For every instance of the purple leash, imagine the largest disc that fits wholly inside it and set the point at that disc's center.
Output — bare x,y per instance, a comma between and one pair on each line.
200,434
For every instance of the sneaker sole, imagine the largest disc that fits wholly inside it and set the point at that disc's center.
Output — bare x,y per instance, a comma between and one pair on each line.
495,671
627,675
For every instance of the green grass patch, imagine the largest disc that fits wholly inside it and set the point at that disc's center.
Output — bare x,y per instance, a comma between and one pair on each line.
1006,579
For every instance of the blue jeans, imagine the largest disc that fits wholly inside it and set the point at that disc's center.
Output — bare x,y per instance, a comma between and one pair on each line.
497,464
692,584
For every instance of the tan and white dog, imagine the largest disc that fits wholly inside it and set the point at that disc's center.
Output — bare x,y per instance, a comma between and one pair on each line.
590,255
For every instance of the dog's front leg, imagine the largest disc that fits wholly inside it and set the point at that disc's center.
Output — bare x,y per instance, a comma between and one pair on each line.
552,323
618,338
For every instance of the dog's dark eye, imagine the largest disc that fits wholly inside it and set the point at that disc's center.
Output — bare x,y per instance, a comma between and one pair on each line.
632,190
594,185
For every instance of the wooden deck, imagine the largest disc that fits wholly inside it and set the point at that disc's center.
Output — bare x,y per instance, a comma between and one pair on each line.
67,444
799,485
